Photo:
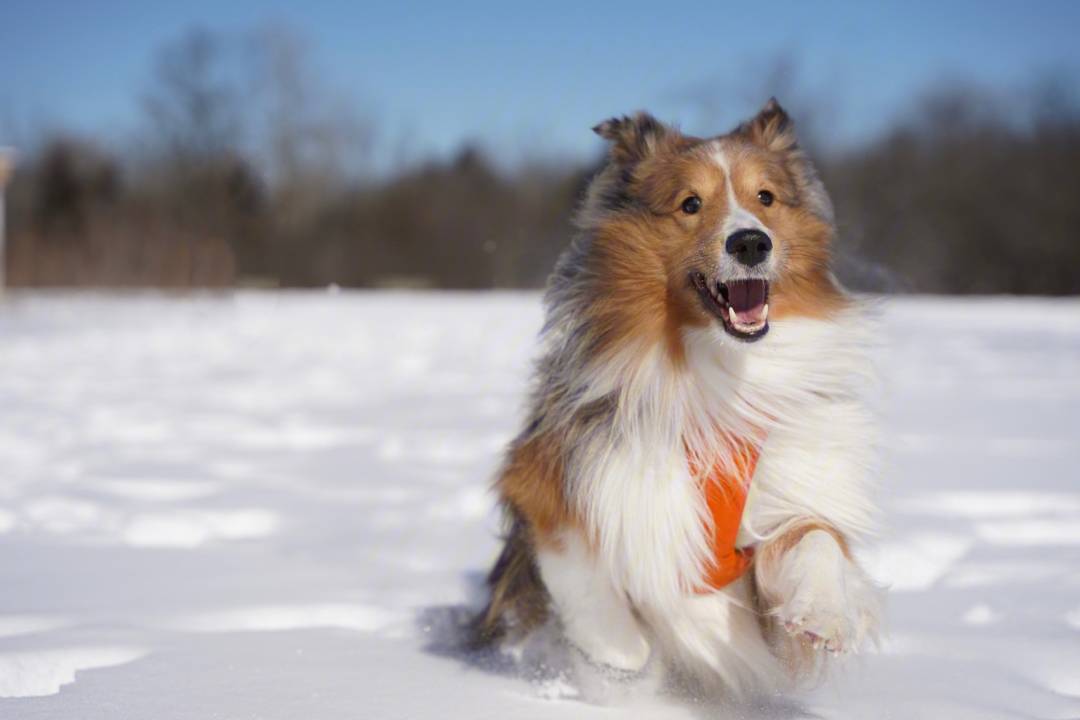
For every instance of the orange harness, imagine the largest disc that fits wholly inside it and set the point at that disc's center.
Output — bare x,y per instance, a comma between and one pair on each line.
725,491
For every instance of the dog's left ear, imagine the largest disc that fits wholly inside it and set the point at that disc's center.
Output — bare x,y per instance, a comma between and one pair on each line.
635,138
771,128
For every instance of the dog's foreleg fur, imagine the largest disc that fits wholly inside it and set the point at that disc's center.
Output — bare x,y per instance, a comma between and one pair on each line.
595,616
815,594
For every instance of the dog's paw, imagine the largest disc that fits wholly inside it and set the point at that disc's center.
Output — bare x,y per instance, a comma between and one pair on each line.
620,656
822,620
601,683
830,600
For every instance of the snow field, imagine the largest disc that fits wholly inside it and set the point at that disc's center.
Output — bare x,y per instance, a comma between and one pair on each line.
275,505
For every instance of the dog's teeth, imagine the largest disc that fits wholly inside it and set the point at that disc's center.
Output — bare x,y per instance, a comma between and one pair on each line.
765,311
732,314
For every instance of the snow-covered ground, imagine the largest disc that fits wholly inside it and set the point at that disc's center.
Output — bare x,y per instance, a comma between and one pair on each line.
269,505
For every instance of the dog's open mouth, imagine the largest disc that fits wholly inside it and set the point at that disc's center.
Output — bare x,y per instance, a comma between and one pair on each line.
741,305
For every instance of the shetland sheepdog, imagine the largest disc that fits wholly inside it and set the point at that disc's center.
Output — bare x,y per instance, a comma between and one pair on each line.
695,471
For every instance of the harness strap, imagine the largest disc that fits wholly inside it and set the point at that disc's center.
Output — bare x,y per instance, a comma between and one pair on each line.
726,488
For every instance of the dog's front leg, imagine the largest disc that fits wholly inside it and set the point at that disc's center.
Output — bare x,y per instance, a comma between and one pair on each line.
595,615
812,587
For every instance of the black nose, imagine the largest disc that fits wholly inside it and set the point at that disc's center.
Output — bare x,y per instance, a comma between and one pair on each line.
749,247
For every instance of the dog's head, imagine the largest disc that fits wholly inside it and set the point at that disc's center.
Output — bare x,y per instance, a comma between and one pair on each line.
737,227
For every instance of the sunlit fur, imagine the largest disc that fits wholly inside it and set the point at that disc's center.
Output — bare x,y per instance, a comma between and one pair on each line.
609,534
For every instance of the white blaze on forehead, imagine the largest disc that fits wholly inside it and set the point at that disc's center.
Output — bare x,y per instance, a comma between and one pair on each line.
738,217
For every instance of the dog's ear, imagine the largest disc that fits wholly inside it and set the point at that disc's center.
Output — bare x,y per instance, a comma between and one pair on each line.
635,138
771,128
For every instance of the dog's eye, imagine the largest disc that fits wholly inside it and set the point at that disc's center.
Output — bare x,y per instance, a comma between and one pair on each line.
765,197
691,205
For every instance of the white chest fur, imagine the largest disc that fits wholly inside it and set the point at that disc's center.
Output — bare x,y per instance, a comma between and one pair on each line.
802,383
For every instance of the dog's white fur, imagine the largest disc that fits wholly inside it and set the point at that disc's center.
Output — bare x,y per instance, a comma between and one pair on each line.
804,382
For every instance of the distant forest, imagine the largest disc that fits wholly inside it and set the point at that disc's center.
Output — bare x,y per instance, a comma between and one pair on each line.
968,195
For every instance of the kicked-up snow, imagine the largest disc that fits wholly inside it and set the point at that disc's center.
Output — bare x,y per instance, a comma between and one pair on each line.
275,505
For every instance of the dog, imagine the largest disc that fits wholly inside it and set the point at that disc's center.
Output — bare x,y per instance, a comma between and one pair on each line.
697,464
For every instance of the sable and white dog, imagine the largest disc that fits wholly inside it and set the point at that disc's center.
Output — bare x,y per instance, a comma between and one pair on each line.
698,357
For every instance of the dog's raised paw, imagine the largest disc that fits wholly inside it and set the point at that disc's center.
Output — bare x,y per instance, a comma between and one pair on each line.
823,618
830,600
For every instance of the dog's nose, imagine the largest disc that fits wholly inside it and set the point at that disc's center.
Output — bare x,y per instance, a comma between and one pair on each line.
749,247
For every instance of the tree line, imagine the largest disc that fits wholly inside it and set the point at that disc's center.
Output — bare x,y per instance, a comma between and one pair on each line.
966,195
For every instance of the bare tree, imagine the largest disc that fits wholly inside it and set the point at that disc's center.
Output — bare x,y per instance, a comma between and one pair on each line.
308,134
195,108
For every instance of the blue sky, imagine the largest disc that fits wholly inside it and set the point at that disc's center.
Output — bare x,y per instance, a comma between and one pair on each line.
531,79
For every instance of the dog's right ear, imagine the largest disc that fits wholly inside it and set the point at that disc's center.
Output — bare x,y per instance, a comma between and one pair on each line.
634,138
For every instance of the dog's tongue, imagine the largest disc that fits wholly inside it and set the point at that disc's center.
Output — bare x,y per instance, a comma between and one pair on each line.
747,298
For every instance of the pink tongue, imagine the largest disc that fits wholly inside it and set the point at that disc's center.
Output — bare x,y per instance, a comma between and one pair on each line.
747,298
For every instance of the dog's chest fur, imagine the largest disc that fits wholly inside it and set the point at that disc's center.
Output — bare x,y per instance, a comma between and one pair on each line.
631,481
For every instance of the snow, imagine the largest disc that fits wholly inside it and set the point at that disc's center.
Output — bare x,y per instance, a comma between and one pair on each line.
275,505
